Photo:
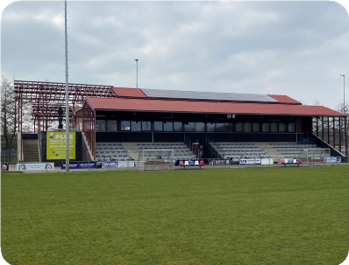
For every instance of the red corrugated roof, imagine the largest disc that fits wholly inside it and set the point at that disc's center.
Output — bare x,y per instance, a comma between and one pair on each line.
208,107
128,92
284,99
138,93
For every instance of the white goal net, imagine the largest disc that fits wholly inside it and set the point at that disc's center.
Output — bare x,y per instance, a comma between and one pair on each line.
314,156
156,159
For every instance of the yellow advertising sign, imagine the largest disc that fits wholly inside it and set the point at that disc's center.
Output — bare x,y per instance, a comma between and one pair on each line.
56,145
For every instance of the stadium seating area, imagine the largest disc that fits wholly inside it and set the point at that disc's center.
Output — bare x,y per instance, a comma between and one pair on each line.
227,150
237,150
110,151
289,150
181,151
127,151
276,150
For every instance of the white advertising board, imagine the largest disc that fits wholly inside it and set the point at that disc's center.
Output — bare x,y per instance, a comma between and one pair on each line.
126,163
114,164
35,166
267,161
332,159
250,161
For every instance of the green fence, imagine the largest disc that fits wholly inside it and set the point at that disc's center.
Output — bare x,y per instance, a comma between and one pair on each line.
13,156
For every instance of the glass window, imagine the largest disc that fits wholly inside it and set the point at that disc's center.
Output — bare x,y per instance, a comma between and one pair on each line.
168,126
146,125
157,125
239,126
100,125
177,126
255,127
291,127
135,126
189,126
125,125
112,126
210,126
273,127
282,127
228,127
247,126
265,127
199,126
219,127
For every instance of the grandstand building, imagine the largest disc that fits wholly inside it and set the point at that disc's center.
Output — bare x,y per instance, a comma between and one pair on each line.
130,119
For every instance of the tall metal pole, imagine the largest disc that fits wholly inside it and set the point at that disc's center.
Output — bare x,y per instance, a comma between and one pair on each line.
328,130
343,92
136,72
66,92
345,119
334,132
340,134
322,128
346,137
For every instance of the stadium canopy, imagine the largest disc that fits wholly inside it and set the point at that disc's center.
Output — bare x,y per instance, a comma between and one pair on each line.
163,105
46,97
123,92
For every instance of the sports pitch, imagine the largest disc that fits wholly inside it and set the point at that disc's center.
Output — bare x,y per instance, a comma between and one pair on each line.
254,216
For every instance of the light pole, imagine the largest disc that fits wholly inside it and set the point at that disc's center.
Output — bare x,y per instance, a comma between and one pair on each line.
345,120
343,91
136,72
66,92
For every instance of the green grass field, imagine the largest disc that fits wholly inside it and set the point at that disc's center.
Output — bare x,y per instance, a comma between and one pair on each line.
277,215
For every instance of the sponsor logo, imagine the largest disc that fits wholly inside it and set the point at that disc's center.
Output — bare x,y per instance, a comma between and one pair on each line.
250,161
62,137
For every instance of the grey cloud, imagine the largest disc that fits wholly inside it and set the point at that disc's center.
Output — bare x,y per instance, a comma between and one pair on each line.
294,48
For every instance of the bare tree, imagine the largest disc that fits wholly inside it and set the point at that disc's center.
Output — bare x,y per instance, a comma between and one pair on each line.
9,115
317,122
343,107
317,103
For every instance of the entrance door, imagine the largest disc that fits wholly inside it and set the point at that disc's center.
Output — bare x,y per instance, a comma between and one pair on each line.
196,150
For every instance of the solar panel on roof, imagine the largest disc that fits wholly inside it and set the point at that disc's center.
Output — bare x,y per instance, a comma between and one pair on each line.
160,93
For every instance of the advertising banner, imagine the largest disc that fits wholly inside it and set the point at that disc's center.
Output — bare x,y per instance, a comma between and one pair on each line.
79,165
35,166
221,162
115,164
56,145
332,159
267,161
87,165
250,161
126,163
72,165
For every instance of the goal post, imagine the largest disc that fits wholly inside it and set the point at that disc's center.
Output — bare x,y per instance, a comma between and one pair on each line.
156,159
314,156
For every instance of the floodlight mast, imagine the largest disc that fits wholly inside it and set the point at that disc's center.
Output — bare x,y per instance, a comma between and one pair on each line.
136,72
343,92
66,92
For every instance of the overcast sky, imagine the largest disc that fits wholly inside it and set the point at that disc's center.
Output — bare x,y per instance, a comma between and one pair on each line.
289,48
